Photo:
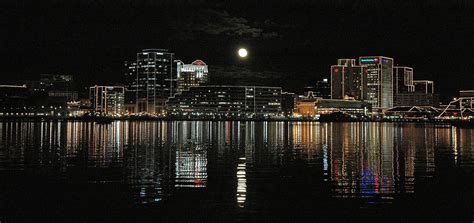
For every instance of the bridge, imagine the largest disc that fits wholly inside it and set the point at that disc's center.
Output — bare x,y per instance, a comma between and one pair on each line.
459,108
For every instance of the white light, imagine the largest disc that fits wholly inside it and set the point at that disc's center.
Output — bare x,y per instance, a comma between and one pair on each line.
243,52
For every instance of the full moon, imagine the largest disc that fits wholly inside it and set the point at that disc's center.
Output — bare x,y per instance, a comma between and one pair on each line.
243,52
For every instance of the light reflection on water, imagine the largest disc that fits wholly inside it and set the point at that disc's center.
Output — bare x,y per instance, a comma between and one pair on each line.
155,160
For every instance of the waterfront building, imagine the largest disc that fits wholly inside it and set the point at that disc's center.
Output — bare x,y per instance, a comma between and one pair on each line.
328,106
13,99
150,81
416,99
288,100
404,90
461,107
107,100
305,105
348,80
130,83
130,87
323,89
47,95
403,80
19,100
60,87
189,75
79,108
379,80
424,86
226,101
308,106
420,93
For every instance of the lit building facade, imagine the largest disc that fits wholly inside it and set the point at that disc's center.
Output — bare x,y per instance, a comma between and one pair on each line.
305,105
416,99
308,106
190,75
348,80
47,96
130,83
58,86
403,79
424,86
421,94
379,80
403,86
150,81
227,101
107,100
327,106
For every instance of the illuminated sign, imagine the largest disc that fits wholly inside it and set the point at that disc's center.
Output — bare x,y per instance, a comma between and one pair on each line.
369,60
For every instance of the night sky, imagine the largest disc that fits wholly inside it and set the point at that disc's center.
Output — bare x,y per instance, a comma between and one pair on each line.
291,43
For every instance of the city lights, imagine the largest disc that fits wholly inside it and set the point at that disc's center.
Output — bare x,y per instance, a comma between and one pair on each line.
160,87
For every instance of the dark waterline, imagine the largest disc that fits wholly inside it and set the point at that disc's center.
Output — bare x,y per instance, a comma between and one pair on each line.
235,171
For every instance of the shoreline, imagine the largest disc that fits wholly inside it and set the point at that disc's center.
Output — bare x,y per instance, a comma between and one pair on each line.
105,120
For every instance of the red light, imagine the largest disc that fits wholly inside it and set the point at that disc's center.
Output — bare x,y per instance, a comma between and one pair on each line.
336,70
376,59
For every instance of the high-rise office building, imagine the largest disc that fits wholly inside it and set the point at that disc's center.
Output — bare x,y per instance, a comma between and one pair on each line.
424,86
60,87
403,87
379,80
348,80
130,83
224,100
151,80
409,92
402,80
193,74
107,100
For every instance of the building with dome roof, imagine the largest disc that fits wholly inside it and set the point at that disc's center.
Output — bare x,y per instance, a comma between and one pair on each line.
194,74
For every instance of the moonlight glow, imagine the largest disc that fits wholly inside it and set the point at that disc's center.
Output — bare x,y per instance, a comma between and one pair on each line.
243,52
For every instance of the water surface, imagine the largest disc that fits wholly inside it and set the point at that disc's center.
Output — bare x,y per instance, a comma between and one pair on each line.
234,171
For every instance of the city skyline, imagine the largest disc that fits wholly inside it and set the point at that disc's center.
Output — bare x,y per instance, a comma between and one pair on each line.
178,76
300,45
158,85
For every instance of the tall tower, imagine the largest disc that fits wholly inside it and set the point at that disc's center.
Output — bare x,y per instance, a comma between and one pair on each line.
151,80
403,80
348,80
379,80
